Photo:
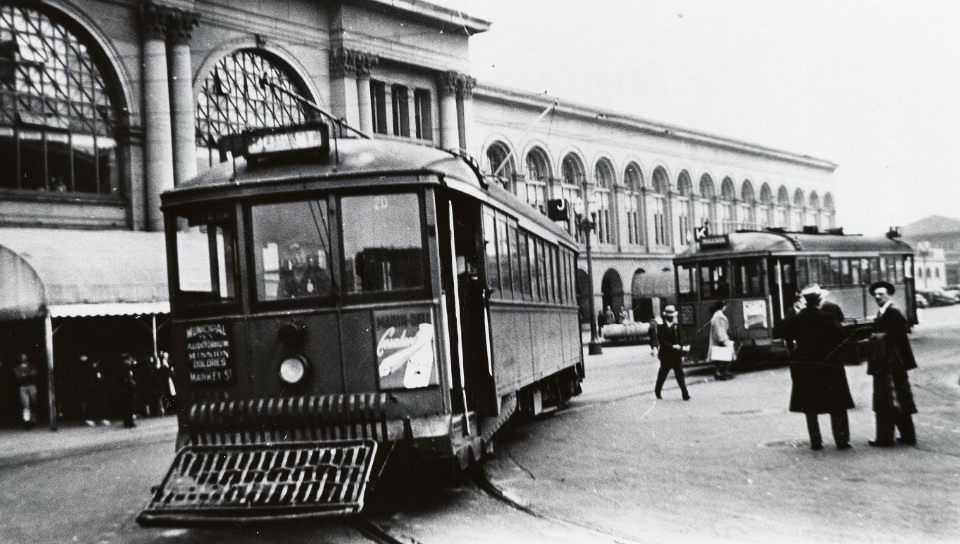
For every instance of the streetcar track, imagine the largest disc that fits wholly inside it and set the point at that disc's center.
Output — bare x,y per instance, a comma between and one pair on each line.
374,532
482,480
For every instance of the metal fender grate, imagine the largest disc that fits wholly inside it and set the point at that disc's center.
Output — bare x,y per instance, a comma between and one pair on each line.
262,482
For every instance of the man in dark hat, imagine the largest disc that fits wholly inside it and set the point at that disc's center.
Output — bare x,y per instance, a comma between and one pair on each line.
819,379
670,344
893,402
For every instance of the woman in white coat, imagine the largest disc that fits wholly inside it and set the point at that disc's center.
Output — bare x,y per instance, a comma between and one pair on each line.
719,327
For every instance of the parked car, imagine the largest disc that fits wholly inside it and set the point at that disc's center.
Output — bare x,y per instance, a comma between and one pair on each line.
939,297
952,290
921,301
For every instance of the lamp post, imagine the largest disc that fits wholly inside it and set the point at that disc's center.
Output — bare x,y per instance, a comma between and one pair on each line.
585,224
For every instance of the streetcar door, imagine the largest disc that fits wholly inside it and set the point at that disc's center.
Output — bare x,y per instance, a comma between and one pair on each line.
466,305
783,287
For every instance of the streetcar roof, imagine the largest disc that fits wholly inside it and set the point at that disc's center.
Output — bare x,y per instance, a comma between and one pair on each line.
746,243
351,158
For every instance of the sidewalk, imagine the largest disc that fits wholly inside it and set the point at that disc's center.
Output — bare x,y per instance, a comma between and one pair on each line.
18,446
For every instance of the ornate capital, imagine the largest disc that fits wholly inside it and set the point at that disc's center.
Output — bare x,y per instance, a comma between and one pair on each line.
452,82
154,20
161,22
344,62
180,25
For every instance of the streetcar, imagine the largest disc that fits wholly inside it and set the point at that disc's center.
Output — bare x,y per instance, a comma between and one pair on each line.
340,302
759,273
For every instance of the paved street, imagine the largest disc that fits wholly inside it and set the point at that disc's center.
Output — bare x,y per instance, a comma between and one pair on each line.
731,465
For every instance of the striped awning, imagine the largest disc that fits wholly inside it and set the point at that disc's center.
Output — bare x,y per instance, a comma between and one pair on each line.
79,273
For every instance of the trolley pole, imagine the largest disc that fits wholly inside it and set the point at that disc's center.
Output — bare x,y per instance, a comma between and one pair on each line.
588,223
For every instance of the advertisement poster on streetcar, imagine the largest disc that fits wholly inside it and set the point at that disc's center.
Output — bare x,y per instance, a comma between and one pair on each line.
406,352
208,353
754,314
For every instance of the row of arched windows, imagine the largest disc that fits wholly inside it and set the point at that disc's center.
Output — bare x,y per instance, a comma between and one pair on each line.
661,212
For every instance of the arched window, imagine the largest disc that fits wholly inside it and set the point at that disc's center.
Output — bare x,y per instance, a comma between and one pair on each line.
572,172
232,100
725,206
704,209
535,184
606,178
632,183
682,209
60,106
661,185
813,211
500,162
766,205
829,212
748,215
783,207
798,209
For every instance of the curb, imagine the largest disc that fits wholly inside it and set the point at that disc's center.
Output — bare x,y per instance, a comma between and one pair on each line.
62,450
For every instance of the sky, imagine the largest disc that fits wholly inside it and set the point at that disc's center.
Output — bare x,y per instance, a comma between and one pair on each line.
871,85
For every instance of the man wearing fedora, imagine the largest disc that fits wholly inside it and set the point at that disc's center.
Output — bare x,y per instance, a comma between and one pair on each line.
669,342
893,401
819,379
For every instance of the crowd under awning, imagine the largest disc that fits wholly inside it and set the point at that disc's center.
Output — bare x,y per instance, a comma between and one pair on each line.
59,273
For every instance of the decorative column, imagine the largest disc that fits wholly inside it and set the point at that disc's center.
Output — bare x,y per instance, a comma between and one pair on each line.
180,27
364,62
618,211
449,129
467,84
158,159
644,219
344,101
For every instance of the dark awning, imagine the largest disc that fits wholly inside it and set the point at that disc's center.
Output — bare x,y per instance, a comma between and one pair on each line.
653,284
76,273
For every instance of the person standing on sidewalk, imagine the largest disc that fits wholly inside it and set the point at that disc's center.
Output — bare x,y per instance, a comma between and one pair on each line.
719,338
669,343
893,401
93,391
26,376
819,379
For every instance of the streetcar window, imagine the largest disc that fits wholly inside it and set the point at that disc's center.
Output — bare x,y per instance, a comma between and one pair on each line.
542,269
536,287
803,273
908,266
382,259
713,280
898,268
686,282
855,272
207,258
747,278
292,250
825,274
835,276
503,255
490,245
519,290
524,266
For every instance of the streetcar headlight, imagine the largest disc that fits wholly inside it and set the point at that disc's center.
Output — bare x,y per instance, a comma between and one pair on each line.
293,369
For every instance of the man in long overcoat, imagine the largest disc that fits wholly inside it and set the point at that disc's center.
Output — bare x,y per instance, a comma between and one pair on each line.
819,379
669,342
893,401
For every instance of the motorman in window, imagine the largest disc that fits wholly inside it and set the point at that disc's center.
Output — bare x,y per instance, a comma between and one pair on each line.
890,359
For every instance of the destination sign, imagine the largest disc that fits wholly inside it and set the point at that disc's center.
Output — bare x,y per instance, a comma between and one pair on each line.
721,241
208,354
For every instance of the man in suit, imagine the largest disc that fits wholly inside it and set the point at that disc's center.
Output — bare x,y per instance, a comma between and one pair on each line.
893,401
669,342
819,379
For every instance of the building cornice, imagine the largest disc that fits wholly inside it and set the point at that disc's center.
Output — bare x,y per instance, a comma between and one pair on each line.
538,102
438,15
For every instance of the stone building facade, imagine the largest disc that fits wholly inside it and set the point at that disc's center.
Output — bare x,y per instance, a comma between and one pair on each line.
105,104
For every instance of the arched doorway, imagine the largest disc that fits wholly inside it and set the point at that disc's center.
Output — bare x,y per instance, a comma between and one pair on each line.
611,288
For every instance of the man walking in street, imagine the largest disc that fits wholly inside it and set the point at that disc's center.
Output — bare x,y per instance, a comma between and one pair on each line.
669,342
893,401
819,379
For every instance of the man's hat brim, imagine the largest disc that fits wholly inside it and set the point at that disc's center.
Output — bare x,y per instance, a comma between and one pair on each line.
885,284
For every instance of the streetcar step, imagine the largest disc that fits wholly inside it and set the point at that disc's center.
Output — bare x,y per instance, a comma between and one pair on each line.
259,482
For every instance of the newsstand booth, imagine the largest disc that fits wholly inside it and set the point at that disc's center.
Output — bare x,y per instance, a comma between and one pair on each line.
66,292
